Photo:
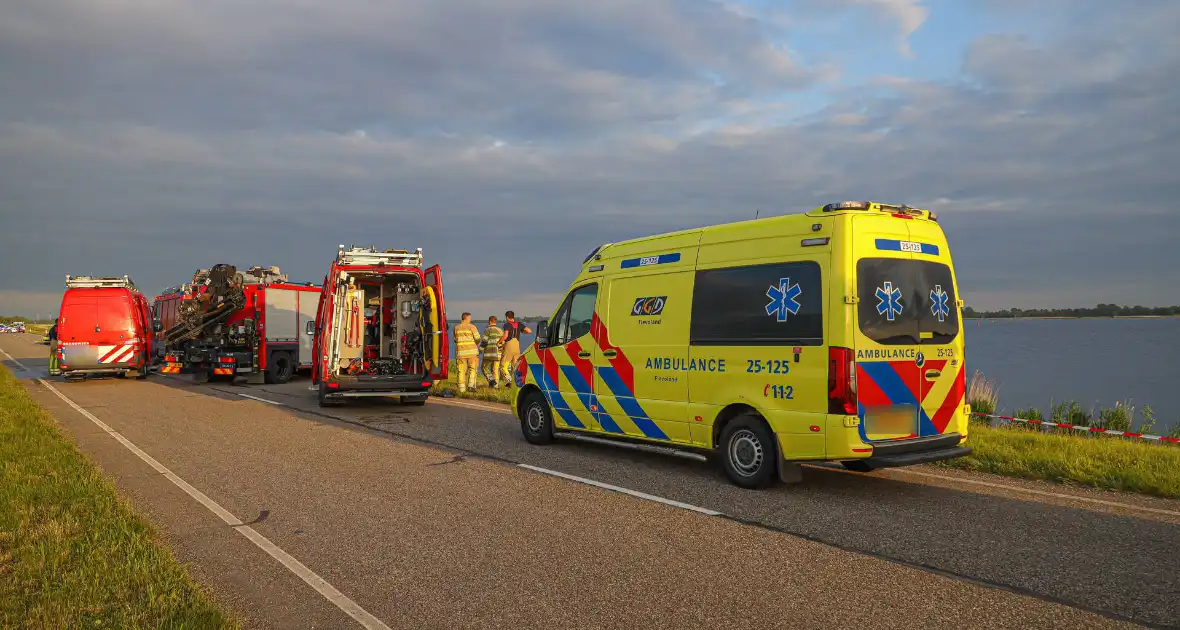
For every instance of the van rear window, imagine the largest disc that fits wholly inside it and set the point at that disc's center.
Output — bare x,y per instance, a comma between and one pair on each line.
903,300
773,304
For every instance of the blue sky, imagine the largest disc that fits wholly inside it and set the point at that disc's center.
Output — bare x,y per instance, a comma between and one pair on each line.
507,138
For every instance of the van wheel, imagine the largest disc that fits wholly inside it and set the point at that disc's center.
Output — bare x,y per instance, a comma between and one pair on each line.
748,452
536,420
280,369
323,395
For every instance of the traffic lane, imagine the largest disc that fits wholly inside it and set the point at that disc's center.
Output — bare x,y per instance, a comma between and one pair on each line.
1110,562
423,537
254,588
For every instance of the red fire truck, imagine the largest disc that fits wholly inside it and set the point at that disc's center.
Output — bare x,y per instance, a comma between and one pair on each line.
166,311
235,324
104,328
381,327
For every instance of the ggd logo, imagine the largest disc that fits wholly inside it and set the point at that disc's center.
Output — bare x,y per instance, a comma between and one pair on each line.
649,305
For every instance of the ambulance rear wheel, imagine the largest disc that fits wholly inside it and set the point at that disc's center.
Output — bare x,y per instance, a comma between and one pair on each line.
536,420
280,369
748,452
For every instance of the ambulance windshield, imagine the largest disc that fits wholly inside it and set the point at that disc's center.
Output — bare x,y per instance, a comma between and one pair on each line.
906,302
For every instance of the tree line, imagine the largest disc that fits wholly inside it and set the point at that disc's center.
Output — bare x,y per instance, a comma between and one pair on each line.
1101,310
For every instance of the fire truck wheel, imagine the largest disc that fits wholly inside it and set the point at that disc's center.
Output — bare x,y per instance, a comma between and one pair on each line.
280,369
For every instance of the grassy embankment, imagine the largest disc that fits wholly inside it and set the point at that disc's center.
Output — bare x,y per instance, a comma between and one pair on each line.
483,392
72,554
1067,456
1028,452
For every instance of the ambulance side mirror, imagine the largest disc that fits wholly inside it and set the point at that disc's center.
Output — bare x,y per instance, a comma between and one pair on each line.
542,334
310,328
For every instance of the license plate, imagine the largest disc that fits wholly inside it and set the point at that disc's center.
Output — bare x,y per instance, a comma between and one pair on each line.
891,421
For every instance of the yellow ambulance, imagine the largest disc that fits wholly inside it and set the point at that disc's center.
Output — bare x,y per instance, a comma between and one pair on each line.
831,335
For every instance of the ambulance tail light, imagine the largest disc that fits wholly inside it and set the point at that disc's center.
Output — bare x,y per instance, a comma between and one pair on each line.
841,381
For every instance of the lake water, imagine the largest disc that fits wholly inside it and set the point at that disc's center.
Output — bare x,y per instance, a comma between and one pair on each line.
1093,361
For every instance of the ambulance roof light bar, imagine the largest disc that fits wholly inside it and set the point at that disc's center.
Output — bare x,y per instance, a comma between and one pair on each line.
99,282
370,257
847,205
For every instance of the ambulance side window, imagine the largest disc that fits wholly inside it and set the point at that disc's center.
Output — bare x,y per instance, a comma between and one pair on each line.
576,314
758,305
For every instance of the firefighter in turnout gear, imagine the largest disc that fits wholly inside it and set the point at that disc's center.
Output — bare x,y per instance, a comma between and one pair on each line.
467,340
491,351
54,368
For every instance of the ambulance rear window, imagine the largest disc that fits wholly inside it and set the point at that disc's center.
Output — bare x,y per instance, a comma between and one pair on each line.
758,305
906,302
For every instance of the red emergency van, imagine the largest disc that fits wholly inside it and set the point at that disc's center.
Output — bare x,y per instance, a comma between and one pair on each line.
380,328
104,328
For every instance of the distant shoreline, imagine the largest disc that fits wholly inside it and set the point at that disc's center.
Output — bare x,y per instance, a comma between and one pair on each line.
980,319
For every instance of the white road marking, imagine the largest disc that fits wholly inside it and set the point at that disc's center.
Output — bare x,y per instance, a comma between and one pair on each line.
269,402
10,358
634,493
1070,497
895,471
321,586
456,403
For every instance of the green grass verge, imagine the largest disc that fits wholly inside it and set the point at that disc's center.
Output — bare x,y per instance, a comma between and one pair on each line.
1102,462
72,554
483,392
37,329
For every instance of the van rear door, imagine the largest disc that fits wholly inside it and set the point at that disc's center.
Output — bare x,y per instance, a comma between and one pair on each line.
97,316
907,328
943,382
433,278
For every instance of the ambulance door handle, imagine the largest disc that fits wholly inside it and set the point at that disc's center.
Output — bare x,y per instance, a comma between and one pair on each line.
610,354
583,355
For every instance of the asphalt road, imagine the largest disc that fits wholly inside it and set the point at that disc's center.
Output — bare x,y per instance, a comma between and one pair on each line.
422,517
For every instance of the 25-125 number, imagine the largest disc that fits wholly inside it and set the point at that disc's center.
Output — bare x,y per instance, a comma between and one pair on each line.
756,366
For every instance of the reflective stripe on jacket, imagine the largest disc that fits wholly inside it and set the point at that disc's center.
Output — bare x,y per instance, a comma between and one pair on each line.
466,341
492,335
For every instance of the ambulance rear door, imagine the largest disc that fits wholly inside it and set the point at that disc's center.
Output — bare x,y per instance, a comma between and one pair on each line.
888,352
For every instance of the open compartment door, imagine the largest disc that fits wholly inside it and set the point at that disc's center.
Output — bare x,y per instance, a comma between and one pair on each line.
318,358
437,320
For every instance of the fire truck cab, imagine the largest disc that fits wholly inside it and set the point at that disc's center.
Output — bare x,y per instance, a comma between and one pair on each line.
104,328
380,329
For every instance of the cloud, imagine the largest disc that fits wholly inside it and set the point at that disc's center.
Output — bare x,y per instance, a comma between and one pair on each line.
907,15
153,139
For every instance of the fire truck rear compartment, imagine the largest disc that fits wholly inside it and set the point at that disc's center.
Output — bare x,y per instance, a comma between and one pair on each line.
387,350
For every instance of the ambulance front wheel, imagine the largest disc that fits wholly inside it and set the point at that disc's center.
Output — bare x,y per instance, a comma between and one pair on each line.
748,452
536,421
